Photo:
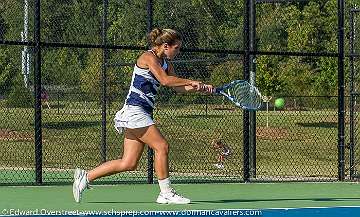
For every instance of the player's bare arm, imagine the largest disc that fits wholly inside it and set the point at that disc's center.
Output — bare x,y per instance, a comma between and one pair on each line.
187,88
150,61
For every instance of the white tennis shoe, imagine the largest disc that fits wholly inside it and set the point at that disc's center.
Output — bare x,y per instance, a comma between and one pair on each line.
80,184
172,198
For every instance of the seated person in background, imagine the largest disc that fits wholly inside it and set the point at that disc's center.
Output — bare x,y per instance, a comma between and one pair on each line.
223,151
44,97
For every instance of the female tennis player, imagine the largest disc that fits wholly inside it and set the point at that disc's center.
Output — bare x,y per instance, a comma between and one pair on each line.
151,70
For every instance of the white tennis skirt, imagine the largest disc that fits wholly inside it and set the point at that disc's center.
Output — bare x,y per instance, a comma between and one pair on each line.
132,117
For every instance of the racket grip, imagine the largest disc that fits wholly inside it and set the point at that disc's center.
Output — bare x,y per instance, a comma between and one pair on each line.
217,90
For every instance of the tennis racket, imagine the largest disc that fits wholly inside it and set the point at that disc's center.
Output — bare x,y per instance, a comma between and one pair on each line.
242,94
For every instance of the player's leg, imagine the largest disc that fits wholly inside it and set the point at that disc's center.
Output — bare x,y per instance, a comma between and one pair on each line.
220,164
221,158
133,149
153,137
47,103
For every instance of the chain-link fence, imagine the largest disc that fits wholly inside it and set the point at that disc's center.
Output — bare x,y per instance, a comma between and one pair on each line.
354,94
88,50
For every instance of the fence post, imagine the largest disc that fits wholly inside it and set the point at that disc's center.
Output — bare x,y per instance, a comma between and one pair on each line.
246,62
37,88
341,96
150,152
104,79
252,69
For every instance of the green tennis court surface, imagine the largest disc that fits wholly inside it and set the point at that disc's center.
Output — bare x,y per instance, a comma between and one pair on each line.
141,197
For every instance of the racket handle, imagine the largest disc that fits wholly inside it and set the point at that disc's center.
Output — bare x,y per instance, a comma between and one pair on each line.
217,90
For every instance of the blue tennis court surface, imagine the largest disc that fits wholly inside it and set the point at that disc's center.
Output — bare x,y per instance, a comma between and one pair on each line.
282,212
313,211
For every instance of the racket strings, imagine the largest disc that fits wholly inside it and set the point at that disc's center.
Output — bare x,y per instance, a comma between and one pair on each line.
246,95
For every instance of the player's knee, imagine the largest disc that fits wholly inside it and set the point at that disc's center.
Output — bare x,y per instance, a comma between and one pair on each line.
125,165
129,166
162,148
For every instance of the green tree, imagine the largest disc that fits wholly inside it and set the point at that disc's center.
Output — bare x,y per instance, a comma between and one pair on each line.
268,76
296,76
325,81
84,23
2,28
19,96
12,15
8,71
91,78
226,72
305,27
61,67
127,23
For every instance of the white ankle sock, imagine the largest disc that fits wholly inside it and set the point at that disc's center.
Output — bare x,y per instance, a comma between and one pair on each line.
165,185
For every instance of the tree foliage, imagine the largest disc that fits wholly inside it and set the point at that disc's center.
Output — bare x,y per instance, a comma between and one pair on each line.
8,71
309,26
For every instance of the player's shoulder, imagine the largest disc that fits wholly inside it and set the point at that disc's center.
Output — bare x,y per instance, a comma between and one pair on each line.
147,55
145,59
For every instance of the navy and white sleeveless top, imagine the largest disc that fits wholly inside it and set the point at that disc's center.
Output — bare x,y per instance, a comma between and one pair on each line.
144,87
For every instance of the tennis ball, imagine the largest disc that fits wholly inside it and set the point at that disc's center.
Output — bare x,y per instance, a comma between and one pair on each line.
279,103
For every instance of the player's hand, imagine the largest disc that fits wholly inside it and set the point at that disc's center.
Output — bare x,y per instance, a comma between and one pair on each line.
199,86
208,88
